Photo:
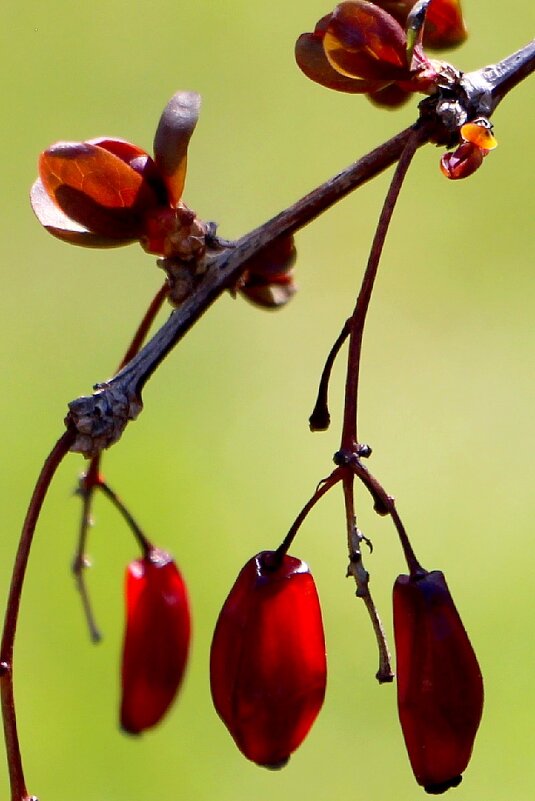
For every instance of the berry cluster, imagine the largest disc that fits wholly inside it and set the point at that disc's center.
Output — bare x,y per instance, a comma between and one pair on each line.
268,665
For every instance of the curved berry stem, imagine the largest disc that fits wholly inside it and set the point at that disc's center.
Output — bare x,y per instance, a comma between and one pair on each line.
16,773
142,540
321,490
349,440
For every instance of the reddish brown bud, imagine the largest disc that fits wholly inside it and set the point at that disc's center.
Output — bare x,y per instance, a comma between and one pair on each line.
440,689
156,641
462,162
267,664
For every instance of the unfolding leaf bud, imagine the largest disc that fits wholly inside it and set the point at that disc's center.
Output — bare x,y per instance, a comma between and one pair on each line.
156,641
267,663
440,689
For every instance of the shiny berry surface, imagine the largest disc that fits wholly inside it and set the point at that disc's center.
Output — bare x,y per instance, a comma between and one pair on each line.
268,664
156,642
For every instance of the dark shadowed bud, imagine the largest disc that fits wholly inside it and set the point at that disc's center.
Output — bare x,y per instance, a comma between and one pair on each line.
267,664
156,641
440,689
267,280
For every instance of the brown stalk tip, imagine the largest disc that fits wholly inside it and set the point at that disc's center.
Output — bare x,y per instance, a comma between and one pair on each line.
385,678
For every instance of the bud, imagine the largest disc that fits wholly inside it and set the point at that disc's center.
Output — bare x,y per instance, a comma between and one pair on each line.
156,641
480,133
462,162
267,280
267,663
171,141
440,689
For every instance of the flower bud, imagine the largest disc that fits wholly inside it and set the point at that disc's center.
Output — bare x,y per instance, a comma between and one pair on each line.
440,689
156,641
267,664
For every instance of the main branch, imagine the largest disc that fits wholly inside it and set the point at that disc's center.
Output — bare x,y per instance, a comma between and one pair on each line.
101,418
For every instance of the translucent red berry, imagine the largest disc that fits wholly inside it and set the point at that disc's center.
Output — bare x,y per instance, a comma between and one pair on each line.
268,665
440,688
156,642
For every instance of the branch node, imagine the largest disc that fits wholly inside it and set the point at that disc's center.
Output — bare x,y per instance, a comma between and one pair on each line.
100,419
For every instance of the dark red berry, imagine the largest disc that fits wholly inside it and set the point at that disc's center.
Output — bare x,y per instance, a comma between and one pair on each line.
440,688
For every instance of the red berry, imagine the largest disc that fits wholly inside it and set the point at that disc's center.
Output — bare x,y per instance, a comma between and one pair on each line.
267,665
440,689
156,641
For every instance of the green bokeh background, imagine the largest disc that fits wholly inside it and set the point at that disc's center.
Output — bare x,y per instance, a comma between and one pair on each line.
221,460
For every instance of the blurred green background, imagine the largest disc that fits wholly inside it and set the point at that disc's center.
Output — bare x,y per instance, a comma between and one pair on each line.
221,460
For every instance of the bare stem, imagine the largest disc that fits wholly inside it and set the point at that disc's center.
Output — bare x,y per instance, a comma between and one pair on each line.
16,773
385,504
358,319
80,562
360,574
321,490
143,542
